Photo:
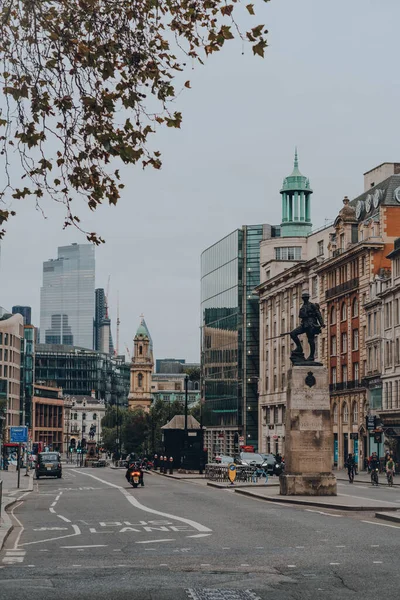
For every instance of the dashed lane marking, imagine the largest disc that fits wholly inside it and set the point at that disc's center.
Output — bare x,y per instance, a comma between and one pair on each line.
381,524
89,546
220,594
156,541
334,563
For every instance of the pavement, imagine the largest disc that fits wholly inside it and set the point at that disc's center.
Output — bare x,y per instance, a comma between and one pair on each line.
90,535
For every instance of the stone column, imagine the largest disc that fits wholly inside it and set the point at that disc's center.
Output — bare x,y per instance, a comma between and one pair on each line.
309,436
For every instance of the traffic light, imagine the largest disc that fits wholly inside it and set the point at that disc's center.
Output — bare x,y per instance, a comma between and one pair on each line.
79,449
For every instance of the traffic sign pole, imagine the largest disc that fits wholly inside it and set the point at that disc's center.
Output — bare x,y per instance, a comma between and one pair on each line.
19,465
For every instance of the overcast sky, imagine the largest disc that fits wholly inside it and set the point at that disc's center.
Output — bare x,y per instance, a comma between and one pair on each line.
329,83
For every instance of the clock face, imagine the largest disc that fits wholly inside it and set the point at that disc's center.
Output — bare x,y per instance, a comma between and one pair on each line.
359,208
368,203
377,198
396,194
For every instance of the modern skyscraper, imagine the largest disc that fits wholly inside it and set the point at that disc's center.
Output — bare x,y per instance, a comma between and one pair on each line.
67,299
230,272
102,336
25,311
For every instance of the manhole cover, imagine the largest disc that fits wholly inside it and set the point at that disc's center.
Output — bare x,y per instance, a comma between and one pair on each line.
217,594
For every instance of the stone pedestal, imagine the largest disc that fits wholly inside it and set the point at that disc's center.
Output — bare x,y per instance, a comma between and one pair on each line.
308,437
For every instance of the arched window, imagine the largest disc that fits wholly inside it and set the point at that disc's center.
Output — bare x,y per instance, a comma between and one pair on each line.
335,413
355,413
345,413
94,416
343,312
140,349
75,417
333,315
83,416
354,308
140,379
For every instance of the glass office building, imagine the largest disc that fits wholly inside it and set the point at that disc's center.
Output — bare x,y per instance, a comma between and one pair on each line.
230,272
67,301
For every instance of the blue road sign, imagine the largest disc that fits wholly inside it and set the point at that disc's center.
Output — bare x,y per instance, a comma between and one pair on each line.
18,435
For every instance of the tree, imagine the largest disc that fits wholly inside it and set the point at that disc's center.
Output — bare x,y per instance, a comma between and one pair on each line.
134,431
89,81
193,373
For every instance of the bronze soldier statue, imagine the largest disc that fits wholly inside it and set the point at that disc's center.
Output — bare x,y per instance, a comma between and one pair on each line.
311,322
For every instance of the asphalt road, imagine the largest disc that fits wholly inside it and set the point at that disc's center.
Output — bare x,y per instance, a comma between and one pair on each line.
92,536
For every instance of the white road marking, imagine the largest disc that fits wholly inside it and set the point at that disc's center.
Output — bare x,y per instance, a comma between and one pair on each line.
340,546
52,510
199,535
64,518
292,566
321,512
163,565
90,546
9,560
50,529
262,547
19,523
334,563
76,565
299,547
156,541
369,499
381,525
244,565
205,565
374,545
31,566
377,562
15,552
43,550
137,504
117,550
76,529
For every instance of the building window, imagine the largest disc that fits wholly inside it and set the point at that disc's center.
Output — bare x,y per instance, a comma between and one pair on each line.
354,308
333,345
333,375
344,343
275,382
283,380
276,415
355,413
388,353
396,395
267,416
335,413
355,339
356,371
94,416
292,253
343,312
396,312
388,315
333,316
83,428
140,380
314,286
354,233
397,351
344,373
83,416
75,416
140,350
345,413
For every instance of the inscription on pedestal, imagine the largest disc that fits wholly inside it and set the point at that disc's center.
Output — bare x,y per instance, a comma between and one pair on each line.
307,399
311,423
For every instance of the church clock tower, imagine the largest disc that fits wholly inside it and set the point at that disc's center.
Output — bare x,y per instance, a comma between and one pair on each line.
141,369
296,203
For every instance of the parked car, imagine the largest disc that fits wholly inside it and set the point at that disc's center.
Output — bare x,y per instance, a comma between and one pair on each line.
48,465
223,459
252,459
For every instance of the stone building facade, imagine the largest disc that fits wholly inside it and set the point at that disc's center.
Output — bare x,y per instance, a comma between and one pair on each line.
81,414
365,230
287,267
11,336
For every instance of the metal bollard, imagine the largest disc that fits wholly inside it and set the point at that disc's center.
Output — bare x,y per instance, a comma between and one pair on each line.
171,465
161,464
155,462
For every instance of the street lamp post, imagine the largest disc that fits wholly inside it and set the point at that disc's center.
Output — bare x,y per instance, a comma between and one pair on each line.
185,441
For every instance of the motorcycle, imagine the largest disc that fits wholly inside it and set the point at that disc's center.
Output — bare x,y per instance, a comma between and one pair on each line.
375,477
134,478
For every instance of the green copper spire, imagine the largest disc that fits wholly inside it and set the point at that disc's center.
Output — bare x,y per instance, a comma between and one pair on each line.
296,195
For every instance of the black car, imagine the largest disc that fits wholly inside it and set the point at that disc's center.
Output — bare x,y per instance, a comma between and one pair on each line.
48,465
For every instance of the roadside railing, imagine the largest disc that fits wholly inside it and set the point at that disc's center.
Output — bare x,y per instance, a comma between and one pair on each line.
217,472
